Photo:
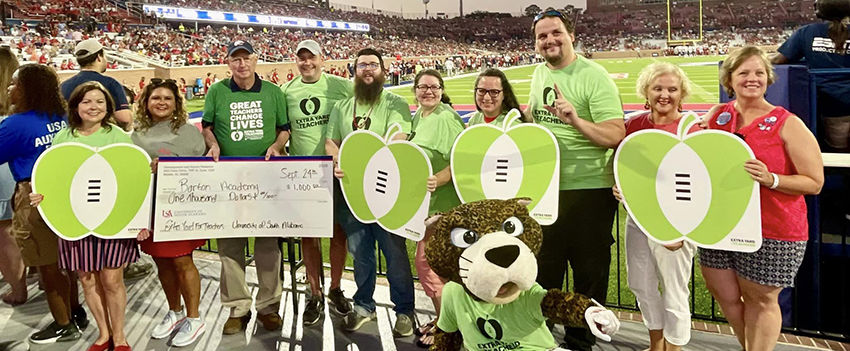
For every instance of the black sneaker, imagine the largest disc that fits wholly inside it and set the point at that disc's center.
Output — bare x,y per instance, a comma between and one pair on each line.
54,333
80,318
314,310
341,306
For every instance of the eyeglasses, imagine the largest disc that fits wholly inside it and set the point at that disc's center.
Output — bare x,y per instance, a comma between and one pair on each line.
423,88
550,13
494,93
158,81
370,66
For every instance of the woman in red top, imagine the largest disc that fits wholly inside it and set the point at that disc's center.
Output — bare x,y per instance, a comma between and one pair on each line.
667,315
788,165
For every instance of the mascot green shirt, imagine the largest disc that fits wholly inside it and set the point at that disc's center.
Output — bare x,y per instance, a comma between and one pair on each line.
516,326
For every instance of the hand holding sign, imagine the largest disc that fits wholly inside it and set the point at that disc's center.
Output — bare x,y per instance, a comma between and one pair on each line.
565,110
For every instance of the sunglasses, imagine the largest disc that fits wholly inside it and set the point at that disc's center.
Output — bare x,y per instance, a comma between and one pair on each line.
550,13
158,81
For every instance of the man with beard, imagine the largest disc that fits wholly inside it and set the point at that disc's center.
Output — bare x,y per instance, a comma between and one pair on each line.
578,101
372,108
309,100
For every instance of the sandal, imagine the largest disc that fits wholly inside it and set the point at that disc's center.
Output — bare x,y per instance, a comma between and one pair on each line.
425,328
426,341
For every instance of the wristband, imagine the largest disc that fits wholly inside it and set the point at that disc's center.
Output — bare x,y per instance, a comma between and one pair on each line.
775,181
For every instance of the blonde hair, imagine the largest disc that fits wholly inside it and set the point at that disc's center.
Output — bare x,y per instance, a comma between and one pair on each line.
649,73
8,65
736,59
142,116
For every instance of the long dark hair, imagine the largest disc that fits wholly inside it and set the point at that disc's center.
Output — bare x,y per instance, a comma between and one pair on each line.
834,12
75,122
433,73
38,89
509,102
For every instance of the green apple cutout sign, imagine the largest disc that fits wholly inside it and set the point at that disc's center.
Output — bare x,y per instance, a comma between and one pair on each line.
105,192
509,161
690,186
386,181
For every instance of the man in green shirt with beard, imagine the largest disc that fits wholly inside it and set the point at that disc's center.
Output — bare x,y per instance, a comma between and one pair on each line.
309,100
578,101
375,109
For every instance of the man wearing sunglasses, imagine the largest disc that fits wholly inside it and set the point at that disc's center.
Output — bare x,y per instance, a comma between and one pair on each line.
578,101
375,109
246,116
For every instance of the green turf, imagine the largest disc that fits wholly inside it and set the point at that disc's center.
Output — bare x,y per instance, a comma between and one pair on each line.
702,71
705,89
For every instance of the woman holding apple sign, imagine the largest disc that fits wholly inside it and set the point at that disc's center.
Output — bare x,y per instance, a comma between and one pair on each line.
162,130
667,315
98,262
788,165
435,127
494,98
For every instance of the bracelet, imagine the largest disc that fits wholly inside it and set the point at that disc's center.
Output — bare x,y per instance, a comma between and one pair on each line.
775,181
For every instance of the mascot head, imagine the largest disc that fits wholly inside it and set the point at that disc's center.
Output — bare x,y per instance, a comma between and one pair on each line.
487,246
832,10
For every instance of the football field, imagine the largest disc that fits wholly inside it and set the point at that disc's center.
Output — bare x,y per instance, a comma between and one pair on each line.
702,71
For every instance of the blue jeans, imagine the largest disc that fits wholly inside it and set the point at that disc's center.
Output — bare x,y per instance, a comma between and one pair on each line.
361,246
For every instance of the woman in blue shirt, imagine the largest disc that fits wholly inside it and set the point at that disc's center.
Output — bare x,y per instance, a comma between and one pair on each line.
825,45
37,116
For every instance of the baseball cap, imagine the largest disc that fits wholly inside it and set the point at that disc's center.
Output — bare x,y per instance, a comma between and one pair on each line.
87,48
239,45
311,46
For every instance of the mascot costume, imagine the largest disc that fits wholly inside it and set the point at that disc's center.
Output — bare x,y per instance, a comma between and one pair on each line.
486,251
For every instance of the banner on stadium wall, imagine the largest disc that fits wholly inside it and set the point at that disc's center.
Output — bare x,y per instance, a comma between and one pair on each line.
177,13
690,186
518,160
105,192
386,181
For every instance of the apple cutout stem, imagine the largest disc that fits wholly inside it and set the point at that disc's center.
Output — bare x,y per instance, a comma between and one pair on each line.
690,186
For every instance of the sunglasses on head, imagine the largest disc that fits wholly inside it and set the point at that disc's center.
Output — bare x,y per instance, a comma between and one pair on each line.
158,81
550,13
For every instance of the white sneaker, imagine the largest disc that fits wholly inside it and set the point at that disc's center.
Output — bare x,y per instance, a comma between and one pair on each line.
190,331
172,320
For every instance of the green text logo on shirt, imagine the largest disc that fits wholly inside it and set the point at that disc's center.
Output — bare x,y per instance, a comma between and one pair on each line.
310,106
103,192
690,186
246,120
490,328
549,96
508,161
386,181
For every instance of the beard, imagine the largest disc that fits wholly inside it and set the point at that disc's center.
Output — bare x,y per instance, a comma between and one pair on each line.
368,93
553,59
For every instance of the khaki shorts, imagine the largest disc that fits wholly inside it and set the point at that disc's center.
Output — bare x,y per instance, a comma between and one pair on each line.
39,246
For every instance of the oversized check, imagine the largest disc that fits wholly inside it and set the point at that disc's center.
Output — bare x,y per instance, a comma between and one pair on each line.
197,198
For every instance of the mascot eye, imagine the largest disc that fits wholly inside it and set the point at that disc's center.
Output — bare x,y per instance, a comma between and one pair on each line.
463,238
512,226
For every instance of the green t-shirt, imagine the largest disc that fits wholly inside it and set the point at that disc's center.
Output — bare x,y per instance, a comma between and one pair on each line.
522,324
436,135
309,106
100,138
390,109
591,90
478,118
245,121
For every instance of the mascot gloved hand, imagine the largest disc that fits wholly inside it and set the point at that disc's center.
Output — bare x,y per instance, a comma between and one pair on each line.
486,251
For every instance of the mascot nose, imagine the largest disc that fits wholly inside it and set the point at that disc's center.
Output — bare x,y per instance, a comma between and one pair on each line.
503,256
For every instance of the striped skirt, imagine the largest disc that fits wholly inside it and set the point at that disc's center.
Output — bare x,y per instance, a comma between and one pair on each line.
93,254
